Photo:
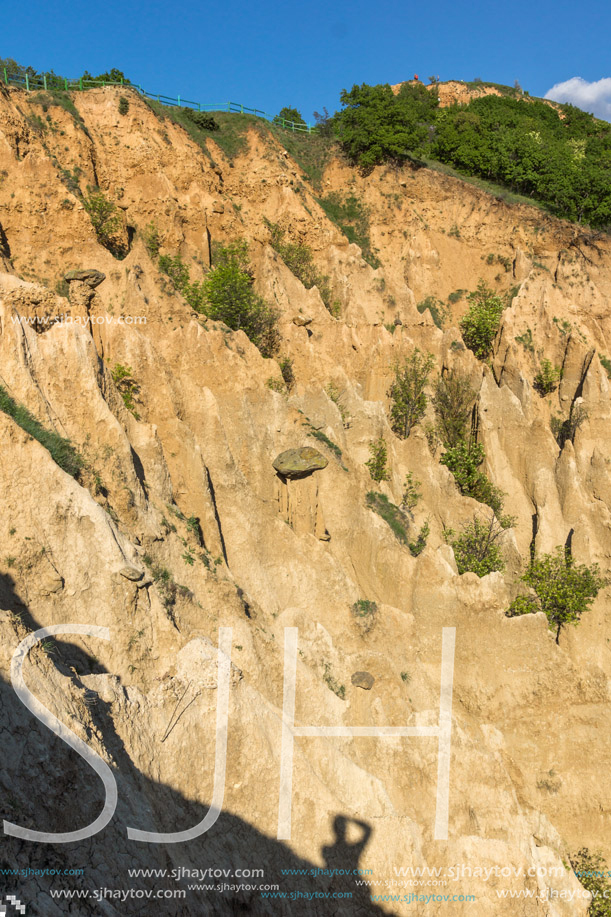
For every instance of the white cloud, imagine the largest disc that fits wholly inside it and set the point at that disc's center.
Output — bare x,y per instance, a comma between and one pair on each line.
593,97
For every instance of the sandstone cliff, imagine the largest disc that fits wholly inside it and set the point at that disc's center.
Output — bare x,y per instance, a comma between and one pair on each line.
531,720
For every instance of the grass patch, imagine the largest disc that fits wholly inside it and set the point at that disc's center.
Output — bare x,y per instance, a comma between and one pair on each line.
311,152
394,517
61,450
352,217
231,135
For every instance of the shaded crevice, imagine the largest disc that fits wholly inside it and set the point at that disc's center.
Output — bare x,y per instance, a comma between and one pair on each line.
216,514
568,545
533,540
139,469
5,248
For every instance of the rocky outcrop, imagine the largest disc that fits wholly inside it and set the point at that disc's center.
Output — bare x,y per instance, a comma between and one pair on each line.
299,463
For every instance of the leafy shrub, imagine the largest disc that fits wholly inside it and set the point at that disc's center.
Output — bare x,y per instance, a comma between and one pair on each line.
377,464
417,547
546,380
438,311
464,460
230,298
298,258
286,368
411,495
123,377
526,340
227,294
123,106
563,589
105,219
61,450
477,548
482,321
202,119
453,400
593,873
408,400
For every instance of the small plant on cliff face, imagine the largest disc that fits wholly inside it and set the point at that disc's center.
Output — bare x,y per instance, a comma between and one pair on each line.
546,380
563,589
123,106
476,548
439,312
377,464
408,400
335,395
123,377
286,368
605,362
151,239
332,683
411,494
365,612
594,874
482,321
417,547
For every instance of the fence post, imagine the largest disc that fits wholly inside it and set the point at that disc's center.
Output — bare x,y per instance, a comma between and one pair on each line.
27,82
5,77
66,84
80,83
178,97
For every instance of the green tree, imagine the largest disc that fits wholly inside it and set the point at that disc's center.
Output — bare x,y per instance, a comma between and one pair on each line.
230,297
289,114
105,219
482,321
407,395
477,548
453,400
563,589
376,125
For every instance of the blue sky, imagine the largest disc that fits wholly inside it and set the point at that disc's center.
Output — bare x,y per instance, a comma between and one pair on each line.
302,54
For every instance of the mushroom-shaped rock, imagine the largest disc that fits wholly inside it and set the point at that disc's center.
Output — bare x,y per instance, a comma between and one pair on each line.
91,277
363,680
297,463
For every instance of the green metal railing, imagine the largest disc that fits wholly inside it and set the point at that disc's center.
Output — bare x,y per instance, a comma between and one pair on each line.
50,82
